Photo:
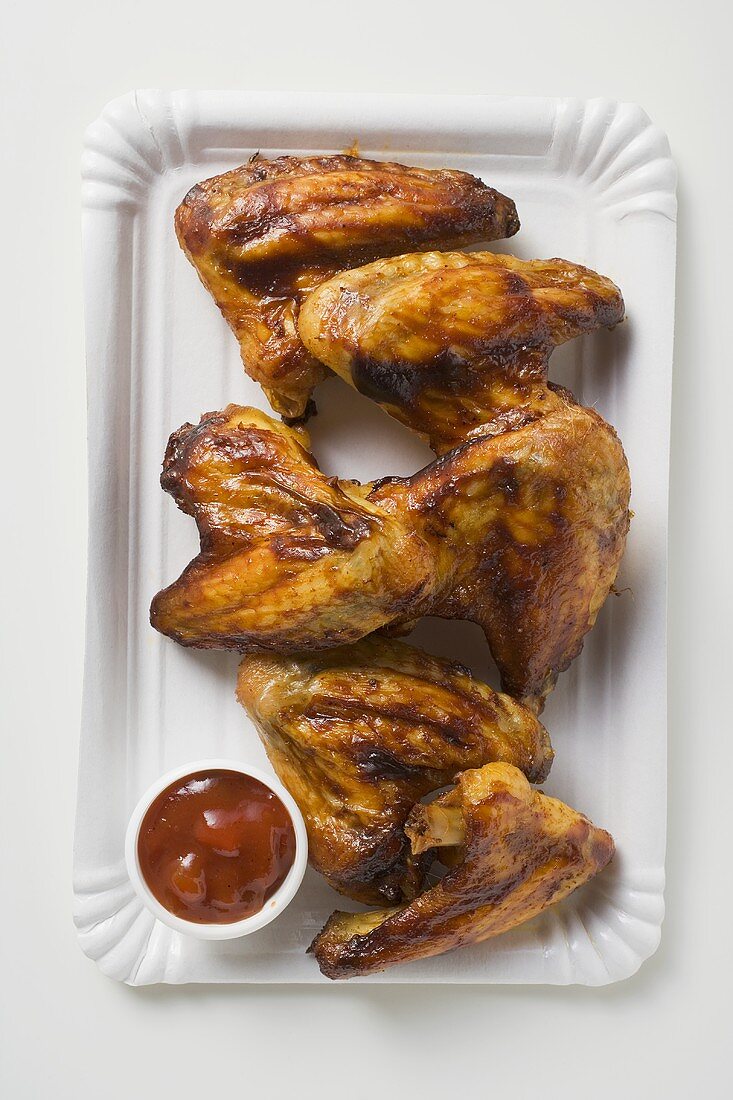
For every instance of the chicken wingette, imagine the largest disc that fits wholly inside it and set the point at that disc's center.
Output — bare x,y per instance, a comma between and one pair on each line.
511,852
290,559
456,344
361,733
265,234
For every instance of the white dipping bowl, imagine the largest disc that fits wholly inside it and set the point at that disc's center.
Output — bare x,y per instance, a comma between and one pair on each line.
272,907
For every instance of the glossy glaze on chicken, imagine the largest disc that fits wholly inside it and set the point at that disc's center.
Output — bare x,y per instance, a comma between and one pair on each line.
456,344
290,559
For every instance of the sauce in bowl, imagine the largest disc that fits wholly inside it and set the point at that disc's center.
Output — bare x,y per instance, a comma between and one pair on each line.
215,845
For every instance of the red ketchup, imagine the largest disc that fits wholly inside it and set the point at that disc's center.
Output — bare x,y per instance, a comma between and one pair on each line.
214,846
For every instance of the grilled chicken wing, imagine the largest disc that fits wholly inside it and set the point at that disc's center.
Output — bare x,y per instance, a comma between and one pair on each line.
514,853
265,234
454,343
289,559
361,733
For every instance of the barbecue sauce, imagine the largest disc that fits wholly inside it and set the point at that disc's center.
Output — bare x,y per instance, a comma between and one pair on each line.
214,846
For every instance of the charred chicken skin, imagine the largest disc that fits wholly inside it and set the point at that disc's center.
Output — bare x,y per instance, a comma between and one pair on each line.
511,853
359,734
264,235
520,527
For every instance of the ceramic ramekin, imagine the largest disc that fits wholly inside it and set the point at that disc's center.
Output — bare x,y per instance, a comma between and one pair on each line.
272,907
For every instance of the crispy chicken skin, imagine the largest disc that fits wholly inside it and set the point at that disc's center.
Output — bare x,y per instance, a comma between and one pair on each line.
265,234
513,852
450,343
359,734
289,559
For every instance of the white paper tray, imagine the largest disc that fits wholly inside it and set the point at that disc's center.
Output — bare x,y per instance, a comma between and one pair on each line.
594,182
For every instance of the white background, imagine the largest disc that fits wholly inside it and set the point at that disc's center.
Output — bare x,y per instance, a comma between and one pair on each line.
68,1031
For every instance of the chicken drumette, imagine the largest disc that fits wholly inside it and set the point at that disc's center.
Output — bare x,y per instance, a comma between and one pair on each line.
359,734
265,234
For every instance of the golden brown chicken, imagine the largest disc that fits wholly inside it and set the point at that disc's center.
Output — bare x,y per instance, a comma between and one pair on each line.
265,234
512,853
519,528
290,559
359,734
454,344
